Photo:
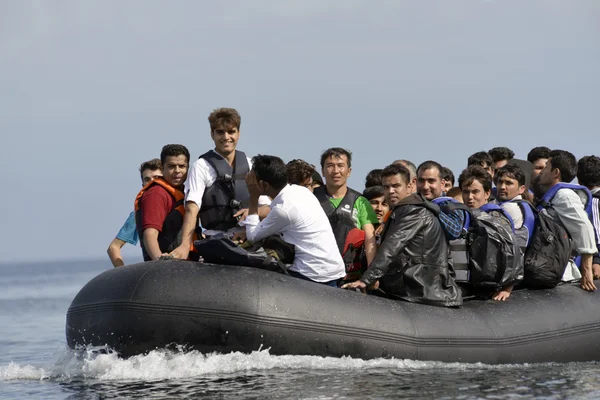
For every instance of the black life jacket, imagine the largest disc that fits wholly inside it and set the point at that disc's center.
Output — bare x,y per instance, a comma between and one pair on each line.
340,218
227,195
170,235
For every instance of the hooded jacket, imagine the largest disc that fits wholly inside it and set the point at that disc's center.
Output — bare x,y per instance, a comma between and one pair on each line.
412,262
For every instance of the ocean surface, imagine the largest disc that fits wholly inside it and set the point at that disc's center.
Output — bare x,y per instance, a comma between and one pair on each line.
35,362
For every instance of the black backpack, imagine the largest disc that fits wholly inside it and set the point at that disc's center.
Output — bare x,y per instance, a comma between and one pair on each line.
219,249
495,258
548,253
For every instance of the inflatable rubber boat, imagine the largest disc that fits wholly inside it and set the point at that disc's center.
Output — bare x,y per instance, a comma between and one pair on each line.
215,308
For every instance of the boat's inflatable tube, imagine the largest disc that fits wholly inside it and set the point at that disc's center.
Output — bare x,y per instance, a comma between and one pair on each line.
209,308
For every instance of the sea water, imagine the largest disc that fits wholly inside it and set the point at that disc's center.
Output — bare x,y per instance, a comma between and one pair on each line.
35,362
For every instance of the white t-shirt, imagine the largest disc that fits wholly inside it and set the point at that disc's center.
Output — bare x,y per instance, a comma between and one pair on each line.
202,175
297,215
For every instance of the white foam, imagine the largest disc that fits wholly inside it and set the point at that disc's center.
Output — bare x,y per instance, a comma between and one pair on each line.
163,364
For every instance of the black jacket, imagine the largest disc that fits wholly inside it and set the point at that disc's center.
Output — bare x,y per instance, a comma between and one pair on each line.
412,262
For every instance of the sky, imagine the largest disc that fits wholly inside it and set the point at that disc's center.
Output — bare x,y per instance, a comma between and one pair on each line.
90,89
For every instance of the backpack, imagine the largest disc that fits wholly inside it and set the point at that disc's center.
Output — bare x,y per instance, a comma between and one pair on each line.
494,257
548,253
353,255
219,249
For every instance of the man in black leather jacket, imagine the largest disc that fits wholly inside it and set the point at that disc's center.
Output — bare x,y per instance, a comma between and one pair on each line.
412,262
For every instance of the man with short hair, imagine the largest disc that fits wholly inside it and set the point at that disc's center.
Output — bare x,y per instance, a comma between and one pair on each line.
159,205
149,170
345,208
215,190
298,217
376,196
588,175
538,156
300,173
373,178
482,159
448,177
501,156
412,168
510,184
567,207
395,179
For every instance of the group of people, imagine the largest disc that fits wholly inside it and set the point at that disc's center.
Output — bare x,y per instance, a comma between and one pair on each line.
406,235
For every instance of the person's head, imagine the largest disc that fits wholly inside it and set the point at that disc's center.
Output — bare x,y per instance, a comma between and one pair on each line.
538,157
448,177
271,174
300,172
225,129
336,165
475,184
429,180
500,156
175,159
376,196
149,170
395,179
317,181
510,182
373,178
588,172
455,193
412,168
483,160
560,167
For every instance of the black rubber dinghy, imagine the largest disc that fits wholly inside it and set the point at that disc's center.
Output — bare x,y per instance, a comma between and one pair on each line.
211,308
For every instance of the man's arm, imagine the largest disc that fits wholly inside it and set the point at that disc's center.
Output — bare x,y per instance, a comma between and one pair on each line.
151,243
370,242
187,231
587,276
275,221
114,252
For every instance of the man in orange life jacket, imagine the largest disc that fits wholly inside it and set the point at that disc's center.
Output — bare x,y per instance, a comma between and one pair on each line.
159,205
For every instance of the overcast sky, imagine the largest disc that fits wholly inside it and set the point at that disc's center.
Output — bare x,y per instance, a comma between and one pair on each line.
90,89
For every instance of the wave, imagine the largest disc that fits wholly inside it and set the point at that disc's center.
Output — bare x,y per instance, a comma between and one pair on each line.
97,363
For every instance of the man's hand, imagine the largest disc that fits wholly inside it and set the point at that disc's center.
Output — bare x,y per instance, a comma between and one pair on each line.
587,281
241,215
252,184
502,295
239,237
596,271
182,252
356,285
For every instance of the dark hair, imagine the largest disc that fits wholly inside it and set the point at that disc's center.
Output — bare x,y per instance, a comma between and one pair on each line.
566,164
151,165
222,117
453,191
174,150
501,153
373,192
588,171
447,175
475,173
538,152
429,165
317,177
481,159
513,171
336,152
298,171
270,169
373,178
408,164
396,169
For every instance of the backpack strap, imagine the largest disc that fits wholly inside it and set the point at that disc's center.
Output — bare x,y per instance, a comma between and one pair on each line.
323,197
529,216
546,201
489,207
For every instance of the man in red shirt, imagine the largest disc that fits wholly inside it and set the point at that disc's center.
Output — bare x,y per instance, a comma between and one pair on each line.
159,205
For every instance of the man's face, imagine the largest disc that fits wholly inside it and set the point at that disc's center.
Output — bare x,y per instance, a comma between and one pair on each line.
380,206
175,170
488,168
225,138
474,196
546,178
508,188
500,164
308,183
336,171
429,183
538,166
396,189
149,175
447,186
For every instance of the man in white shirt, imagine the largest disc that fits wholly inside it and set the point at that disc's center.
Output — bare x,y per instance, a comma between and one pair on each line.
568,206
298,217
588,175
215,189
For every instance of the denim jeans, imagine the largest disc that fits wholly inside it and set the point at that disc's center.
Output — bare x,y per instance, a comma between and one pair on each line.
333,283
